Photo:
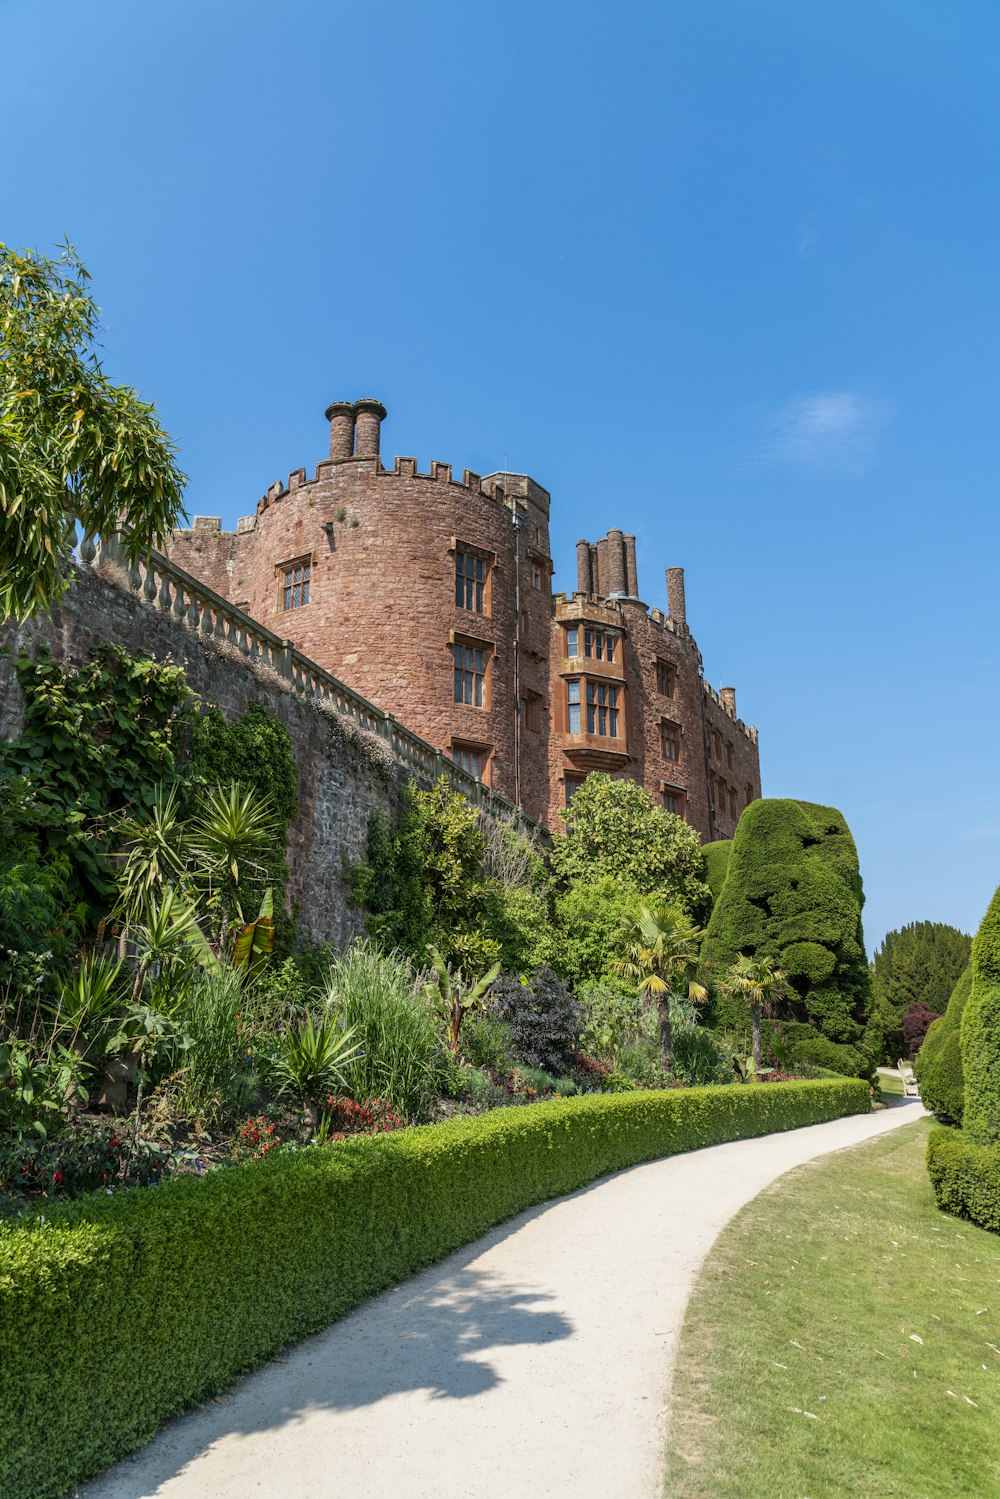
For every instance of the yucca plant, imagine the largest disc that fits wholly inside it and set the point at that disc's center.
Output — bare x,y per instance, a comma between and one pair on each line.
312,1060
230,836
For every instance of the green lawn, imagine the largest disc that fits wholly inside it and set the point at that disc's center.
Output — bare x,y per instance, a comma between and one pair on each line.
843,1340
890,1085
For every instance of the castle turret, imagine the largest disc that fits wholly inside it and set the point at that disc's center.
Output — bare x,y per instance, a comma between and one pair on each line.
728,698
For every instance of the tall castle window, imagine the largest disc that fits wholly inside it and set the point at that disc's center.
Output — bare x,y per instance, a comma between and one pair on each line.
602,709
670,740
666,678
598,646
573,707
573,642
470,675
470,582
296,577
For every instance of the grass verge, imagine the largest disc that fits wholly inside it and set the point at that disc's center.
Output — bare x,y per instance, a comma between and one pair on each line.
843,1339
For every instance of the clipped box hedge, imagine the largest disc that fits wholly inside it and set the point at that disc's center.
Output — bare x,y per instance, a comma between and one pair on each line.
117,1312
965,1177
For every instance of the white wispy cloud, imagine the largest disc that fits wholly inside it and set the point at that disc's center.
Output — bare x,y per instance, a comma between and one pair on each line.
833,429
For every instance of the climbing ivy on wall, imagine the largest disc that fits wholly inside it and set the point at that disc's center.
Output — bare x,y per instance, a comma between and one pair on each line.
97,739
100,738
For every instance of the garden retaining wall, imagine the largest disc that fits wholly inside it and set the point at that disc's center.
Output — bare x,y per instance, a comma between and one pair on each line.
345,773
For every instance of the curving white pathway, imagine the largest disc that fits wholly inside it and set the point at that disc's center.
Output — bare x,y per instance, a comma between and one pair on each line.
535,1362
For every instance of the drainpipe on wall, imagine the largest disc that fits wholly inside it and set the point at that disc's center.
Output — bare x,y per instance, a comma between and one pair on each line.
517,655
708,763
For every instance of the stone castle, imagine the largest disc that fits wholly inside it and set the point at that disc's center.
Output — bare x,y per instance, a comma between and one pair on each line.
431,596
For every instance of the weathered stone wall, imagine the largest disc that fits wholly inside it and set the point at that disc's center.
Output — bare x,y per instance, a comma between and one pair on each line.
344,773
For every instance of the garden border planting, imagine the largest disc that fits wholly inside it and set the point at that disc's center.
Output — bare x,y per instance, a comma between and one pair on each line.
118,1311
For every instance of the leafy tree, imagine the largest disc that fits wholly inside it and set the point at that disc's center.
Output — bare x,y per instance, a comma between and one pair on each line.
756,982
613,828
916,964
793,894
74,448
659,950
916,1023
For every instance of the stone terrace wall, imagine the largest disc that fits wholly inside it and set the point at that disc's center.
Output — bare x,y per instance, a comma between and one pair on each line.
345,774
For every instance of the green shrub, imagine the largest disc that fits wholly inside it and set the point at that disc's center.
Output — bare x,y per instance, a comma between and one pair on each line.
698,1058
793,893
544,1019
717,865
373,994
939,1060
588,917
965,1177
808,1048
116,1312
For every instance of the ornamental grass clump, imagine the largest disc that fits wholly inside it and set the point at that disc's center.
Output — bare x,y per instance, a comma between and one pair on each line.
402,1059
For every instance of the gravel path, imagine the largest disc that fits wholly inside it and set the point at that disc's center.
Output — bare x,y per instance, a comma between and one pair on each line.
535,1362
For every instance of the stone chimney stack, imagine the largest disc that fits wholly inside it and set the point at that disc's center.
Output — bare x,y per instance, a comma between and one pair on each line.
676,607
584,582
603,587
368,417
728,696
631,575
340,415
616,562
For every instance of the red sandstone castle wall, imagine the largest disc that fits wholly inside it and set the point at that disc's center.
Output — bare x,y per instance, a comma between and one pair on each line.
382,617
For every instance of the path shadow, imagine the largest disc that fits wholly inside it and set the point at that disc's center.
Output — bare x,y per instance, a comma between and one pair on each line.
432,1333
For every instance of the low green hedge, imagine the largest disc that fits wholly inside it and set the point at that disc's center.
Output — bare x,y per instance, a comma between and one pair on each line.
116,1312
965,1177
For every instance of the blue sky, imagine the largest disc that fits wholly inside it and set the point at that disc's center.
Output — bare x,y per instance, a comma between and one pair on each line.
724,275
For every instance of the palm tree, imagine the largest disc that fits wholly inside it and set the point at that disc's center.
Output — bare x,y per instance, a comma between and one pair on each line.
756,980
659,949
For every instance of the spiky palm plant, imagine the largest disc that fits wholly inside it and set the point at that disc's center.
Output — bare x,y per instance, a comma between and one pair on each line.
758,982
659,950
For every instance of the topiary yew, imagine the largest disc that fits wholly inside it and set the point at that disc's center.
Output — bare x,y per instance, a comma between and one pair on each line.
939,1061
793,893
981,1034
717,865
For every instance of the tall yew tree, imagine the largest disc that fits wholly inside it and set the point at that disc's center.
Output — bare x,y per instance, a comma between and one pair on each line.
74,448
919,964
